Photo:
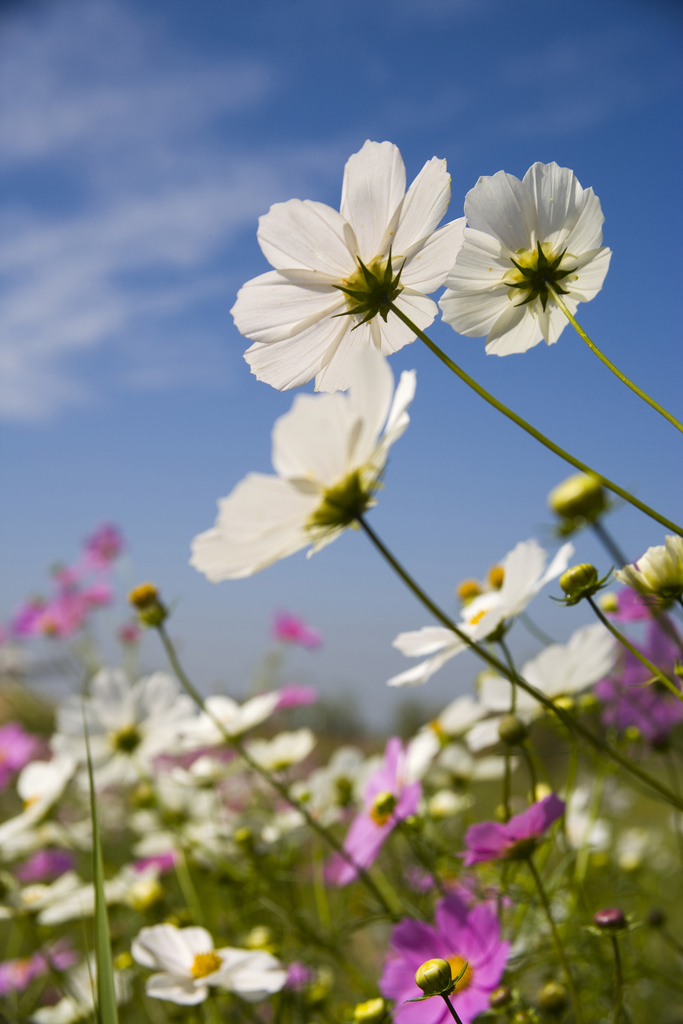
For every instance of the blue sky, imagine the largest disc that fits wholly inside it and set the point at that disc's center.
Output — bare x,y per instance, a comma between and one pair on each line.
142,140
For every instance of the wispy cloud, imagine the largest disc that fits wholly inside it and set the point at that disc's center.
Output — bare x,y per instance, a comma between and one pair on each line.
143,188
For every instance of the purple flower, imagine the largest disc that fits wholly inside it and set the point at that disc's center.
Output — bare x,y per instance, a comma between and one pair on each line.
17,975
44,865
294,696
17,748
26,617
630,701
632,607
461,934
103,546
298,975
163,862
388,799
289,629
491,840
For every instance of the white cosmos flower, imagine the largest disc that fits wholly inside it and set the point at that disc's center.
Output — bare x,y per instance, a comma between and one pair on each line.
458,761
235,718
40,785
286,749
560,670
328,452
522,236
659,572
188,964
525,574
327,791
295,313
80,1001
129,724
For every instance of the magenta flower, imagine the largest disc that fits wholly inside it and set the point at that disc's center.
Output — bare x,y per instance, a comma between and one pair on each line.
492,840
45,865
631,607
289,629
103,546
163,862
25,618
17,748
294,696
389,798
628,701
17,975
461,934
298,976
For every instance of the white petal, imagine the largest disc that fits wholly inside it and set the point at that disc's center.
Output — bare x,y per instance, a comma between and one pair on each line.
427,640
369,401
428,269
270,308
515,330
420,753
567,215
394,333
424,207
306,235
310,442
590,275
460,714
374,186
483,734
261,521
295,361
552,320
501,206
398,418
558,564
419,674
336,370
175,990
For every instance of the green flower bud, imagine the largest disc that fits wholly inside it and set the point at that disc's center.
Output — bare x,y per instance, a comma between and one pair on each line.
500,998
553,998
145,599
580,497
512,730
370,1012
434,977
579,581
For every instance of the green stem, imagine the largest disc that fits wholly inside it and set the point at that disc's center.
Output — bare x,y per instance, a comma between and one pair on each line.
451,1010
578,1013
536,631
635,652
235,743
483,393
571,724
619,981
528,757
610,365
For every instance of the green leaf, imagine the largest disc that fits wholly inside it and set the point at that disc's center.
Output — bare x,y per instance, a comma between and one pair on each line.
106,1010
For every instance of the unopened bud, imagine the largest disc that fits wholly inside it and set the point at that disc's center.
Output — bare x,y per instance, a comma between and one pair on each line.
500,998
656,918
145,598
434,977
578,497
588,702
553,998
609,603
468,590
512,730
610,919
370,1012
633,734
123,962
260,937
579,581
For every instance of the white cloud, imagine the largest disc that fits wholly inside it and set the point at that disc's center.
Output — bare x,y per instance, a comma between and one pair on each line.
94,97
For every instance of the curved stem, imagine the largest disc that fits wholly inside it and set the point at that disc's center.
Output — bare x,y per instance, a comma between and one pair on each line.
483,393
559,948
610,365
609,543
234,742
635,652
619,981
570,723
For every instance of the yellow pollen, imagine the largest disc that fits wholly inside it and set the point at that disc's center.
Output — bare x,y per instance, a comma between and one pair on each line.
436,727
457,963
496,576
468,589
478,617
205,964
30,801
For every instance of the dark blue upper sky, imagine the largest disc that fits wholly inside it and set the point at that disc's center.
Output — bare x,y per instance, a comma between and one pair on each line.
141,140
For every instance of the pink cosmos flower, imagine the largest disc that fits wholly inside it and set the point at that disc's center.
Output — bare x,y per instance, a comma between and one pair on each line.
294,696
461,934
630,702
289,629
17,975
129,633
492,840
45,865
163,862
389,798
25,618
17,748
298,976
103,546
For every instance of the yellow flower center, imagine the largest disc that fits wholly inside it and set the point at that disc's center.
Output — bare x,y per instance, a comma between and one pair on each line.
342,504
478,617
457,963
468,590
126,740
538,272
205,964
383,807
496,576
371,289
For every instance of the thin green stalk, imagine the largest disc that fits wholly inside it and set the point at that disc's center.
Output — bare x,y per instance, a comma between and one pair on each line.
451,1010
532,769
234,742
619,981
635,652
610,365
187,888
570,723
483,393
576,1005
536,631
